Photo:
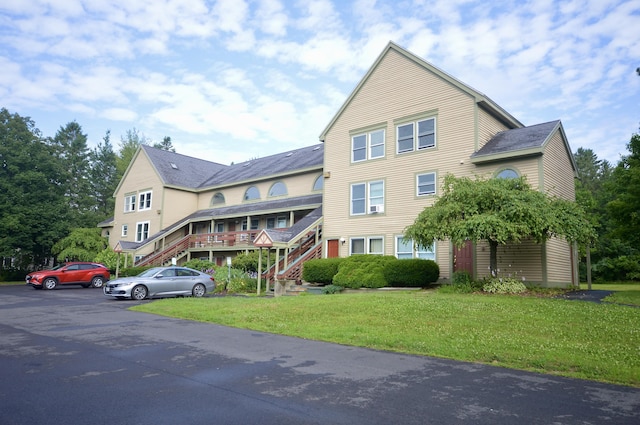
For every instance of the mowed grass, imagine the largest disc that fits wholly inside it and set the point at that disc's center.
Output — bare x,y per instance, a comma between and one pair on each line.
571,338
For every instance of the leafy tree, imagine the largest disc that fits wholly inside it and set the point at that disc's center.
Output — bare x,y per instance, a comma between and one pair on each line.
500,211
129,144
70,145
594,192
625,208
103,177
33,210
82,244
165,144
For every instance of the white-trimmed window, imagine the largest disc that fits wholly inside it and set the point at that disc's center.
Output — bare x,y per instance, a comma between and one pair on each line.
125,230
507,173
252,193
406,248
416,135
142,231
358,199
376,193
144,201
356,246
218,199
366,195
367,146
129,203
278,189
319,183
373,245
426,184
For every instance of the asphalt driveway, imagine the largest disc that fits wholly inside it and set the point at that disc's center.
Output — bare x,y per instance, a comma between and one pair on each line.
72,356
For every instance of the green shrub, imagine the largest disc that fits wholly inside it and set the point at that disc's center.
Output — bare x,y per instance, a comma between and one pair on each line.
461,278
12,275
503,285
248,262
205,266
624,267
242,284
130,271
362,271
332,289
320,270
461,283
413,273
239,281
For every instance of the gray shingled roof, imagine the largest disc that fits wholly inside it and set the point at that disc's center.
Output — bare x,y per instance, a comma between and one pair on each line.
286,235
514,141
181,170
185,171
298,159
257,207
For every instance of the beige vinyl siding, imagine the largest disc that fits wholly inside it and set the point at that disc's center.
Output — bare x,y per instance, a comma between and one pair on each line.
487,127
396,91
298,185
514,260
177,204
145,179
558,263
528,167
558,169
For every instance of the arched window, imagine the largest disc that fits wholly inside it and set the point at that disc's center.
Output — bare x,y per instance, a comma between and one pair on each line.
507,173
319,183
252,193
278,189
217,199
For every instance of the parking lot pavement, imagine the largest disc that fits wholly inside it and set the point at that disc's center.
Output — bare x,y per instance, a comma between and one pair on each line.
73,356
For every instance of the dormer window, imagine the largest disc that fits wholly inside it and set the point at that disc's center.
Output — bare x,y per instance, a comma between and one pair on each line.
278,189
252,193
218,199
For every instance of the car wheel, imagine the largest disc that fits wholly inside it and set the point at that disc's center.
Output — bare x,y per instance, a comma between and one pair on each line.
199,290
139,293
97,282
50,283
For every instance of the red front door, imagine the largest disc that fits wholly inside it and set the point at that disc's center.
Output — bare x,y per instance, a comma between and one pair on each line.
463,258
332,248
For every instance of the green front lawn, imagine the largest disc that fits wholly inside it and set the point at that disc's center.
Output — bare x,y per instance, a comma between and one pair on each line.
570,338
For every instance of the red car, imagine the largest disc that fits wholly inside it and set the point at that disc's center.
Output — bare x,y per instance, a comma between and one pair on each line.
75,273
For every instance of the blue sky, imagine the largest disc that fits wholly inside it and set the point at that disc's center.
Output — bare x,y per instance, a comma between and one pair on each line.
231,80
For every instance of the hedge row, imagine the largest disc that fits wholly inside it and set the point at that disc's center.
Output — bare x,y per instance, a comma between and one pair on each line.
371,271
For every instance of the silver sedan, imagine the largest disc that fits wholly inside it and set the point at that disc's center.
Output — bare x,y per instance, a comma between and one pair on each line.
161,282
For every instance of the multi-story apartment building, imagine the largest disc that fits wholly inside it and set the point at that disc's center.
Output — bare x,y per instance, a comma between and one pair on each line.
381,161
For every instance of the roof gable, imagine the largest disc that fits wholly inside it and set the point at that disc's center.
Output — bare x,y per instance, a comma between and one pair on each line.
521,142
482,100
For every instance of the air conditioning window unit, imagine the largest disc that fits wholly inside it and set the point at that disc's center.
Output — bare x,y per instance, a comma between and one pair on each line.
373,209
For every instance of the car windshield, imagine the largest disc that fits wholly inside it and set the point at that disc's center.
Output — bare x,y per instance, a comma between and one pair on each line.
149,273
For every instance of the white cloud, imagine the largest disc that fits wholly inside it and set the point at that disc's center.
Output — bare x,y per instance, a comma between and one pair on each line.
119,114
275,72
